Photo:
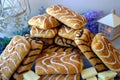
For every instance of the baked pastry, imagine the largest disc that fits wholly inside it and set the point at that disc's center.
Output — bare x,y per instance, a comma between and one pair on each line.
44,21
67,16
26,65
46,41
83,40
12,56
105,50
60,77
49,33
56,48
58,63
67,32
64,42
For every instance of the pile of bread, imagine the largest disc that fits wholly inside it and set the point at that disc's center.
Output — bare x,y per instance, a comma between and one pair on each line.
56,42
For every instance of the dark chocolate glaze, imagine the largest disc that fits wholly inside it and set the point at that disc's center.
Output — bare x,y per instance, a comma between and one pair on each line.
21,72
29,56
23,64
57,48
90,51
64,41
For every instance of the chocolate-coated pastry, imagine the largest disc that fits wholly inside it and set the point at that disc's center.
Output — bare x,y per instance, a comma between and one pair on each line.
27,63
83,40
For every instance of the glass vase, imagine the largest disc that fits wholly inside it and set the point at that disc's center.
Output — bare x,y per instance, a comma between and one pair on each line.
13,16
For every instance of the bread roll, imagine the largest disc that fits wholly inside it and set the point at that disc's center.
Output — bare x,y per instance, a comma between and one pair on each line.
67,16
59,63
105,50
83,40
64,42
67,32
27,63
12,56
61,77
49,33
44,22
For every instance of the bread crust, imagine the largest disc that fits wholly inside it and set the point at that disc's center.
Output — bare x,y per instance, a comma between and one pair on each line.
59,62
44,22
105,50
67,16
40,33
83,40
61,77
27,63
64,42
12,56
67,32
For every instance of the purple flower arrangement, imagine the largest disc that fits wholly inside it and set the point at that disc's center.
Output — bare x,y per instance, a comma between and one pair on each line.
42,10
92,17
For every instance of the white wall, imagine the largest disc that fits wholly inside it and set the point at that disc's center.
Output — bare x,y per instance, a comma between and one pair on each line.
78,5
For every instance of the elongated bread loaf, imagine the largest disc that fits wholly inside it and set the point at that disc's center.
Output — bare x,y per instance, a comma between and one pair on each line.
64,42
44,21
67,16
105,50
12,56
36,48
84,39
59,62
40,33
61,77
67,32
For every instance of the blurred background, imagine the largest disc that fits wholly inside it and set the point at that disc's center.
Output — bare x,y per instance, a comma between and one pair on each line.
80,6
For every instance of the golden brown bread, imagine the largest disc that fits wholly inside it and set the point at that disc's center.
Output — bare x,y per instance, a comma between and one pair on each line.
44,21
60,62
67,16
57,48
67,32
61,77
26,65
105,50
49,33
64,42
12,56
46,41
84,39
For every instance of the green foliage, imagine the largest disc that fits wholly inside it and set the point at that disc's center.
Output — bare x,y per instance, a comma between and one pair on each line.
3,43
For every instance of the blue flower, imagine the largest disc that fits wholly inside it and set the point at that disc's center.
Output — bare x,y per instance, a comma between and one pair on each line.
92,17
